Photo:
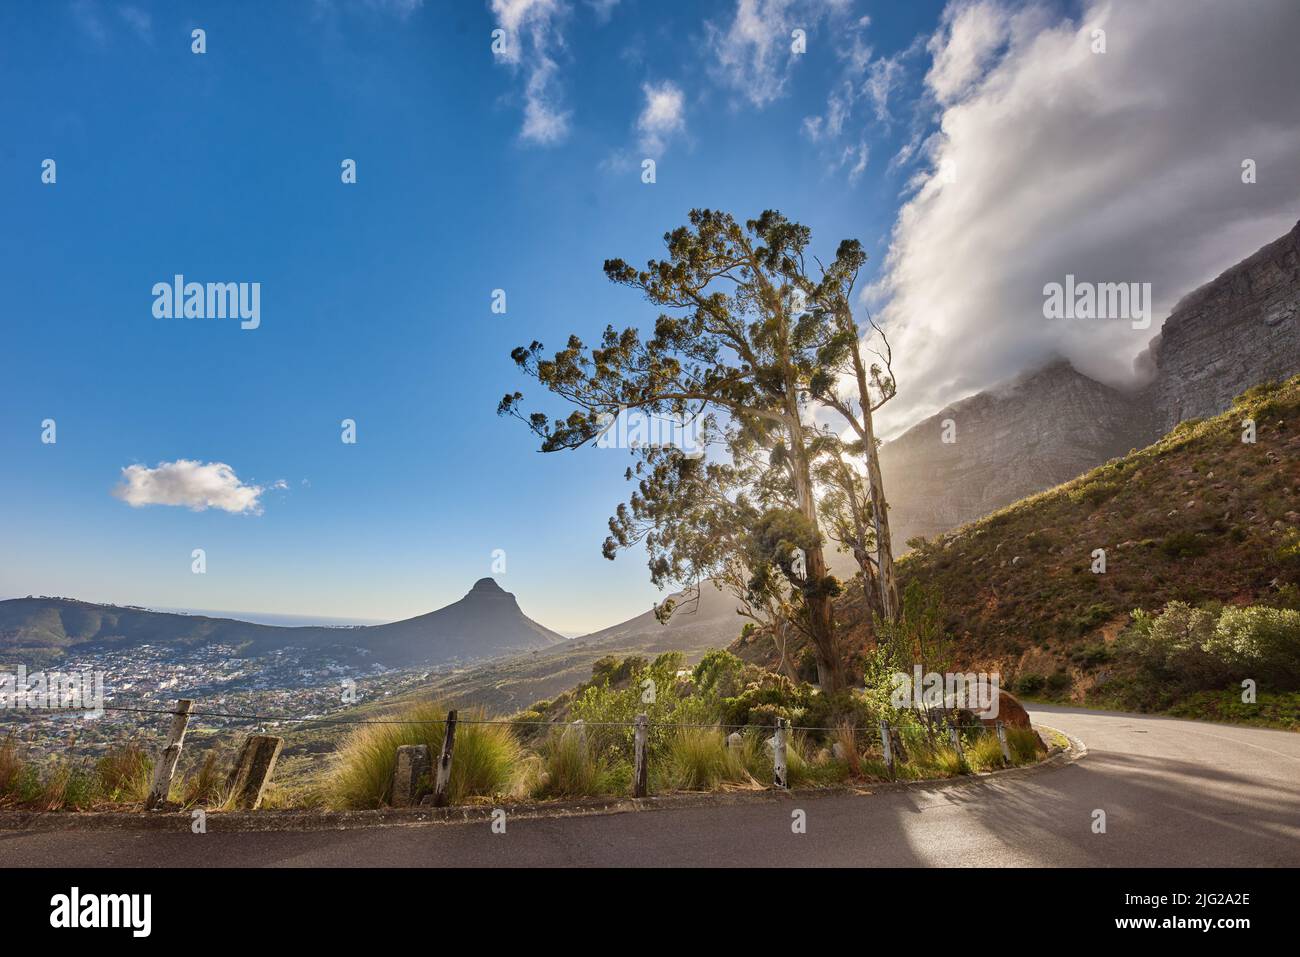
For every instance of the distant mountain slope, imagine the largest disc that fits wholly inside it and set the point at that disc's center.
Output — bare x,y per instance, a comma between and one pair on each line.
1045,427
1029,434
485,623
509,684
707,622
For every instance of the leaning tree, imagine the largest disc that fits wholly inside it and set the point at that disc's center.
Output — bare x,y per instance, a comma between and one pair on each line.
735,339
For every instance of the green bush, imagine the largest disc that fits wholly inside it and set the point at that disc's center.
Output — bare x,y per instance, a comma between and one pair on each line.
1259,638
1030,684
1178,545
1058,682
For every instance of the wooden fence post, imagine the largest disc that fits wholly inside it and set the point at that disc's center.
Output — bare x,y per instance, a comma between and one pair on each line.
442,787
780,777
252,771
885,746
955,734
165,768
1002,740
641,770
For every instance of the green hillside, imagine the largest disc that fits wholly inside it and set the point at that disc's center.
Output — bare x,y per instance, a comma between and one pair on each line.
1199,517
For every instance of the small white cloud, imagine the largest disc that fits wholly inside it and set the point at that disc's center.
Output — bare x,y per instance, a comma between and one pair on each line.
753,54
662,116
190,484
532,38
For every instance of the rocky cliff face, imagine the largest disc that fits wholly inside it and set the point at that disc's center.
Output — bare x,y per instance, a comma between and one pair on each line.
1234,332
1045,428
1028,435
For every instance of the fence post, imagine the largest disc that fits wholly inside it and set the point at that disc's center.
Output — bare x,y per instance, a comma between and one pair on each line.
1002,740
252,771
641,771
885,745
442,787
955,733
165,769
780,778
411,764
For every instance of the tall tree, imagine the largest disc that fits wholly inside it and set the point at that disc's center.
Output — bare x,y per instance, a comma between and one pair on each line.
842,355
733,343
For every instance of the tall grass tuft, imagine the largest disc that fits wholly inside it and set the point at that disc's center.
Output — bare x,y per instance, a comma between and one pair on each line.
122,776
15,773
206,785
484,764
984,752
1025,745
698,759
846,736
570,767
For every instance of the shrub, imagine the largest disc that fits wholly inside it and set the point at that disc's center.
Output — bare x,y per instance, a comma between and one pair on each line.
766,699
1262,638
1178,545
485,760
1058,682
720,674
1030,684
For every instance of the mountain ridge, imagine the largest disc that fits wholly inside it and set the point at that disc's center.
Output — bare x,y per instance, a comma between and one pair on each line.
486,622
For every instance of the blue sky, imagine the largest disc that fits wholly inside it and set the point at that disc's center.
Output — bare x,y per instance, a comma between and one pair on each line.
475,172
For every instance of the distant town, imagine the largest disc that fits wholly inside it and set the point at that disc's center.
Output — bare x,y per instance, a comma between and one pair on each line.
296,683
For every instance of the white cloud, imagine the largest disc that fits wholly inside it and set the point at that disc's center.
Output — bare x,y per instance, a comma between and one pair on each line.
191,484
753,52
1122,167
663,115
969,37
532,40
865,82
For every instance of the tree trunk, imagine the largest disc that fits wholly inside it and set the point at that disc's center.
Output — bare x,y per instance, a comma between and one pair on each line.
880,516
879,507
821,614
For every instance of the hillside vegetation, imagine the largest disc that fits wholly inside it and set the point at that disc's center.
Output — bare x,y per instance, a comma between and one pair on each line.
1199,518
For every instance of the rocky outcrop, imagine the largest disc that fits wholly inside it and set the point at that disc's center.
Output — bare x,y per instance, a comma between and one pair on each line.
1045,428
1025,436
1241,329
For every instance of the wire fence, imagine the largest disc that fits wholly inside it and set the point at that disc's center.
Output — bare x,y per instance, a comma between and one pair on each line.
331,719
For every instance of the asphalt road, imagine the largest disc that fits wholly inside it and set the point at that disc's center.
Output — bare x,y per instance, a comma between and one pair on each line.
1175,793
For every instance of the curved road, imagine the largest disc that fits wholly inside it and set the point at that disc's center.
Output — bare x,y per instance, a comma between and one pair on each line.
1175,793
